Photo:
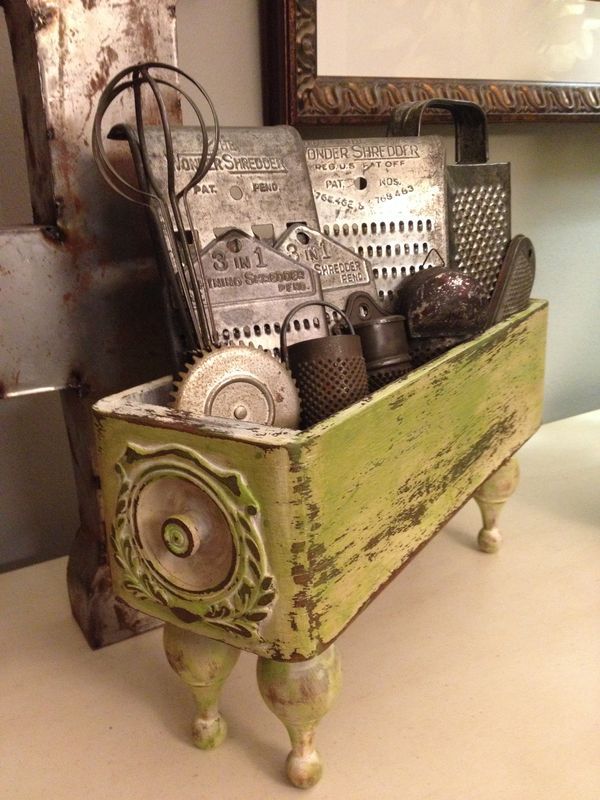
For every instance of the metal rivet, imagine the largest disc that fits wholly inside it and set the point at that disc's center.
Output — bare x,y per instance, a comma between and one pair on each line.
240,412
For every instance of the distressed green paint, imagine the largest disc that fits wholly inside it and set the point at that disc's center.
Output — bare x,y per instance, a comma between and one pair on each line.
204,665
345,504
245,599
300,695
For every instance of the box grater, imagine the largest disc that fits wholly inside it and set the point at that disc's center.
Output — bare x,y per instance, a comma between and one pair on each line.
478,192
385,198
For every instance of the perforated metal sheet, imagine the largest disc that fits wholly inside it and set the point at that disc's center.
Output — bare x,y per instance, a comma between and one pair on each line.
386,199
479,204
258,183
252,287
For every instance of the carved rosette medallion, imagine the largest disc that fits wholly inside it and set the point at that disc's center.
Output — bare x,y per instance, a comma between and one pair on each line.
187,536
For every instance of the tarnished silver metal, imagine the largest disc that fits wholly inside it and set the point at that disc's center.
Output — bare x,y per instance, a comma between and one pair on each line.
251,287
341,270
360,306
515,281
330,371
241,383
258,182
479,203
478,192
385,348
255,180
68,323
386,199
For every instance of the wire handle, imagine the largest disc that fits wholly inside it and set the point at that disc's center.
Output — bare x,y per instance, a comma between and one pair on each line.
283,348
168,204
470,126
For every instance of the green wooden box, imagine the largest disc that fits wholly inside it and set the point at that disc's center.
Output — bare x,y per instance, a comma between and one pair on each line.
314,523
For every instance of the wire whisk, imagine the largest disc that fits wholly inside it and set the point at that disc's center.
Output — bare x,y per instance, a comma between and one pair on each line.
167,202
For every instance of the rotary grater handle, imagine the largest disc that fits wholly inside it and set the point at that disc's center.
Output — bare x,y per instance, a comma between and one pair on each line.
470,126
283,348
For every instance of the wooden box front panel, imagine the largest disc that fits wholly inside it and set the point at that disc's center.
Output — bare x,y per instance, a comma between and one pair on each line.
334,511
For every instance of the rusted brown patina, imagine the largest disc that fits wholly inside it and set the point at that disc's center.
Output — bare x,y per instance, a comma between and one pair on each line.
81,302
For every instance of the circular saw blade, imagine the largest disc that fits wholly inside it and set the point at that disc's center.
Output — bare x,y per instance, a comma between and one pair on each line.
239,382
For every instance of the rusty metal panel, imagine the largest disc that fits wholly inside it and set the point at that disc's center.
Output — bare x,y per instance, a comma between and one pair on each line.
79,297
67,324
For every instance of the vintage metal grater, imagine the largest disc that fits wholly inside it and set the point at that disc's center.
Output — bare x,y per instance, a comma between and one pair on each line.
515,281
258,182
201,181
341,270
330,371
478,192
386,199
251,287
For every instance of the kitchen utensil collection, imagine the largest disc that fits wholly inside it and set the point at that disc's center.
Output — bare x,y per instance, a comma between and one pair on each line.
300,276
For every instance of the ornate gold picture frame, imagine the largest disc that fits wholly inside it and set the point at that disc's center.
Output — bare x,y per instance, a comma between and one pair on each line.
294,92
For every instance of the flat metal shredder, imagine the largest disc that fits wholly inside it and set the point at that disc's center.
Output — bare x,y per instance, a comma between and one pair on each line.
386,199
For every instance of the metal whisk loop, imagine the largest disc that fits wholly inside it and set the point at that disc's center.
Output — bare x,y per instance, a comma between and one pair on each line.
113,89
202,319
165,201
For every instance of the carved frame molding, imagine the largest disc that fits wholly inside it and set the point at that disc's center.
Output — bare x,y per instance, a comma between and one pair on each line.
295,94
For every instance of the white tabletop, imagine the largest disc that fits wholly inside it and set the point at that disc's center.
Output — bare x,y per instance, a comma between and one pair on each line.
471,677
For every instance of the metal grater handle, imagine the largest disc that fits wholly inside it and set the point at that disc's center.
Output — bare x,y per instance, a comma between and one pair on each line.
470,126
283,349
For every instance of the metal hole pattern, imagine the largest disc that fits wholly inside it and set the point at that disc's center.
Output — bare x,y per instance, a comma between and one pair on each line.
519,288
402,226
328,385
395,248
480,231
265,335
381,377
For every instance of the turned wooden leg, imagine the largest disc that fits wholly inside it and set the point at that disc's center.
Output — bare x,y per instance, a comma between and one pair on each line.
204,664
300,694
491,497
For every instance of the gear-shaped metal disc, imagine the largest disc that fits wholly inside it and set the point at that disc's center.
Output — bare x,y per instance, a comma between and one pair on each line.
239,382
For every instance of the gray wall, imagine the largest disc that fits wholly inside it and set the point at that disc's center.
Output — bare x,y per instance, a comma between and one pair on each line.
556,201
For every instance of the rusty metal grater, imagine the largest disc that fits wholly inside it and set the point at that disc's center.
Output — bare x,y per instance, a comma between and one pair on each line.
341,270
330,371
251,287
258,182
478,192
386,199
